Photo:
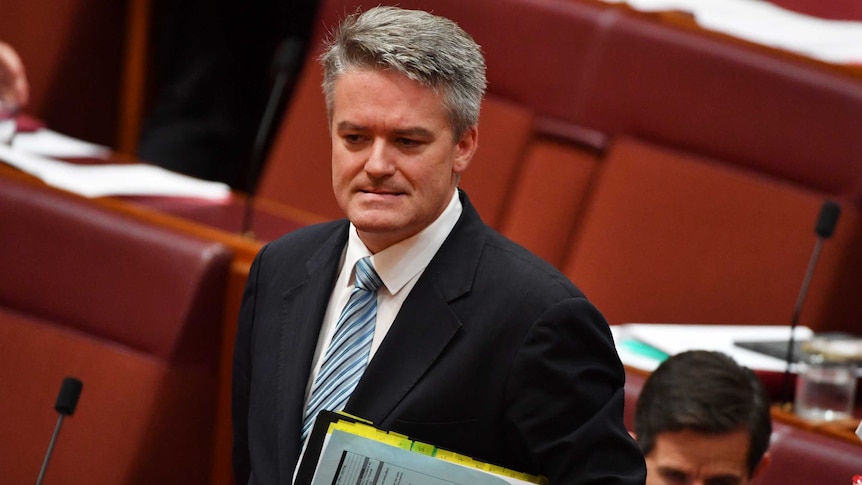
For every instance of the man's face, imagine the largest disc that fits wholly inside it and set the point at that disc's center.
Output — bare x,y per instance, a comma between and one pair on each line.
395,163
692,458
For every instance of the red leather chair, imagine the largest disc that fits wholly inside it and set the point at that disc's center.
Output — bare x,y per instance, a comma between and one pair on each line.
718,97
671,237
802,456
131,309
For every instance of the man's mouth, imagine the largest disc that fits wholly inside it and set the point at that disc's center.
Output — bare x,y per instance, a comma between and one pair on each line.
380,192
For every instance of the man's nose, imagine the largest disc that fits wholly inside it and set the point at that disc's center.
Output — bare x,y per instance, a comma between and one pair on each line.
380,160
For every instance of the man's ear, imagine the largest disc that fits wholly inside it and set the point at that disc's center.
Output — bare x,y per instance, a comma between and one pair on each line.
633,435
465,149
764,462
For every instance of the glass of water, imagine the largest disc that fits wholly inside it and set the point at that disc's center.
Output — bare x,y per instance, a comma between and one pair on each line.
826,384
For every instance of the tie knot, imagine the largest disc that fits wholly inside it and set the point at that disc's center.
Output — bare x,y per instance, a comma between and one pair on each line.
366,277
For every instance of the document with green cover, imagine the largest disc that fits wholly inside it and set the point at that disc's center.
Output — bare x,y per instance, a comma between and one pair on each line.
343,450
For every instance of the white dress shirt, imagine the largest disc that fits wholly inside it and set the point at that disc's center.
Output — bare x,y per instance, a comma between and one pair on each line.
399,266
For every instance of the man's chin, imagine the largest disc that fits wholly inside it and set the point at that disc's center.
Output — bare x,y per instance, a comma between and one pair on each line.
376,226
376,217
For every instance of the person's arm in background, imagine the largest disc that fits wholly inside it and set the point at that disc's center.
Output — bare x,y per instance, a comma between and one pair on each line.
14,89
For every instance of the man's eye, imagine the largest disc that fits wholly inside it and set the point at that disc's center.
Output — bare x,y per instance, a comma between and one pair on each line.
409,143
353,139
673,476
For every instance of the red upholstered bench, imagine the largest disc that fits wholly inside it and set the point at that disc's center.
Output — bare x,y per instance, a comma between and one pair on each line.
802,456
672,237
719,97
131,309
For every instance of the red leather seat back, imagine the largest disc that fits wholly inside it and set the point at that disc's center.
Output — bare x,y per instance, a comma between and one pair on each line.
138,420
735,103
802,456
132,309
671,237
104,274
545,205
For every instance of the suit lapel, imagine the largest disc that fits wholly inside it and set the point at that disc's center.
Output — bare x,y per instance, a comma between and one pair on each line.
303,308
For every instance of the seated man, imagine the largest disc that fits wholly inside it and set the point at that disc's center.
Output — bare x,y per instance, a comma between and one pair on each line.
701,418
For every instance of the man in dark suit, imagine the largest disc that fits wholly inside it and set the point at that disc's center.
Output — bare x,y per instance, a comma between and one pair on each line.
479,347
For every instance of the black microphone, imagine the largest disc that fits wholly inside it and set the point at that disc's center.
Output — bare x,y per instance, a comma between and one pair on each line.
285,62
67,400
826,222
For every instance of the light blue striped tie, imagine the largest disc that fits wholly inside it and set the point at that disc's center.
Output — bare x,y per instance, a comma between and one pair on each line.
347,354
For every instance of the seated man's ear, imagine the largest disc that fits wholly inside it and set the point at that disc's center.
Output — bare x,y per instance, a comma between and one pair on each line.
764,462
633,435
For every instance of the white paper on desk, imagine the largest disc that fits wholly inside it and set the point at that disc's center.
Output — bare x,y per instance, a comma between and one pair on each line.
49,143
675,338
113,179
834,41
346,456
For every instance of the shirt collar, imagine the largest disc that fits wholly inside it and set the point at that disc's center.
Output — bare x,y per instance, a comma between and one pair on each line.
399,263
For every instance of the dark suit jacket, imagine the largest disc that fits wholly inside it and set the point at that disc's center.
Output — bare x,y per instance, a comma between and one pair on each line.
494,354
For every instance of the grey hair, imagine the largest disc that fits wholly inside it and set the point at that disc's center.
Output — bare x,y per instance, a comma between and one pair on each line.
431,50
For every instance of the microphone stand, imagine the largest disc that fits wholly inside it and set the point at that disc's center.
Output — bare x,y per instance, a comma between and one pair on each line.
824,228
786,385
50,450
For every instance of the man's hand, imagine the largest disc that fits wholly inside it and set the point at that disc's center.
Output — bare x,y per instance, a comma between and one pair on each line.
14,89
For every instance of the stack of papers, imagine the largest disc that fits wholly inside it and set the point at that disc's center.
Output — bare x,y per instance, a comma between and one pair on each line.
344,449
833,41
102,180
49,143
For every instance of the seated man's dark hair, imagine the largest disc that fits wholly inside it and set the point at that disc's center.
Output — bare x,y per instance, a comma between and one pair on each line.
707,392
